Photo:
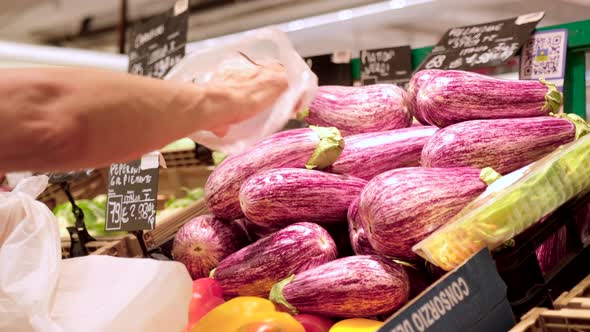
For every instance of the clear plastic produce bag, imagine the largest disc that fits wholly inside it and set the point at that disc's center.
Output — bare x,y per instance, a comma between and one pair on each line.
40,292
510,205
265,45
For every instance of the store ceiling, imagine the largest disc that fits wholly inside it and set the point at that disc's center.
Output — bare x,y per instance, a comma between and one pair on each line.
61,20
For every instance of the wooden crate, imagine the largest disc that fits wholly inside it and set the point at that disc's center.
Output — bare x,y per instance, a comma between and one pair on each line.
86,188
171,183
173,180
562,320
577,298
167,227
572,313
182,158
121,246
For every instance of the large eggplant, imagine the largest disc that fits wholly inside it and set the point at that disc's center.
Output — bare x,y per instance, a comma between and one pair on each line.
204,241
361,246
413,86
370,154
504,144
356,110
253,270
355,286
288,195
314,147
403,206
452,96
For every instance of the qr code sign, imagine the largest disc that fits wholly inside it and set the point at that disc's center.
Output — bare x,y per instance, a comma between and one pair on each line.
543,56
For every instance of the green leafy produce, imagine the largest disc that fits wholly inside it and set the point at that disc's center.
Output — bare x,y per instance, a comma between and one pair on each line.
95,212
218,157
94,216
174,204
510,205
181,144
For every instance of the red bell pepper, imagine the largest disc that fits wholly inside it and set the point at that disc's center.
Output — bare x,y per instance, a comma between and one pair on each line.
207,294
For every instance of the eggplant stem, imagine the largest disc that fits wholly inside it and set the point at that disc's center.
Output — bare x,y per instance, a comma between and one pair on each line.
276,295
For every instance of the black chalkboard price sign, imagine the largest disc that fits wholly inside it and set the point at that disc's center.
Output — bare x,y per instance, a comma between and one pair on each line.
481,45
132,194
386,65
159,44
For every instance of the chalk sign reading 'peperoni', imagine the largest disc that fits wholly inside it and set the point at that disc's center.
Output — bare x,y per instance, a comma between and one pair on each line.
470,298
132,193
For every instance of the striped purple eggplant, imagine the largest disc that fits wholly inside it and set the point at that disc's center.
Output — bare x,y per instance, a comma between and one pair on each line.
361,246
204,241
553,250
413,86
504,144
356,229
370,154
355,286
356,110
253,270
453,96
288,195
314,147
403,206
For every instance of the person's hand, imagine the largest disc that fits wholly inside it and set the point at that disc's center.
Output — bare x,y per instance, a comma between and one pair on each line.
245,92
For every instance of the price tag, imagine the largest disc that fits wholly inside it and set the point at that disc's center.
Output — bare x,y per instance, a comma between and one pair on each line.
543,56
483,45
159,44
386,65
332,69
470,298
132,194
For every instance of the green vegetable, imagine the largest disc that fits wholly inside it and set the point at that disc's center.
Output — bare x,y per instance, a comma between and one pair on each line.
94,216
510,205
218,157
181,144
95,212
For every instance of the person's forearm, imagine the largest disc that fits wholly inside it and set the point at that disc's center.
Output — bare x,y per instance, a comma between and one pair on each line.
59,118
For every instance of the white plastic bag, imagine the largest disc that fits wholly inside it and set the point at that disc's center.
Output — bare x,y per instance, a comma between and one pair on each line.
265,44
30,257
40,292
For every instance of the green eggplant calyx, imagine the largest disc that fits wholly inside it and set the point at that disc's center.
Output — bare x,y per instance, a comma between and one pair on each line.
212,274
489,176
276,295
582,127
328,149
553,98
302,115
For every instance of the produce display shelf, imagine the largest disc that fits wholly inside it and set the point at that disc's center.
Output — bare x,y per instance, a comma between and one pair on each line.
518,265
545,320
572,314
577,298
84,187
198,156
168,226
120,246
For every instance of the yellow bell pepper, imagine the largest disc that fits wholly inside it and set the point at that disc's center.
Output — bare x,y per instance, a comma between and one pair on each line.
356,325
247,314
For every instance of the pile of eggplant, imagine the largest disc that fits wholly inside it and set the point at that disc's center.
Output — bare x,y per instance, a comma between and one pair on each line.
322,220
